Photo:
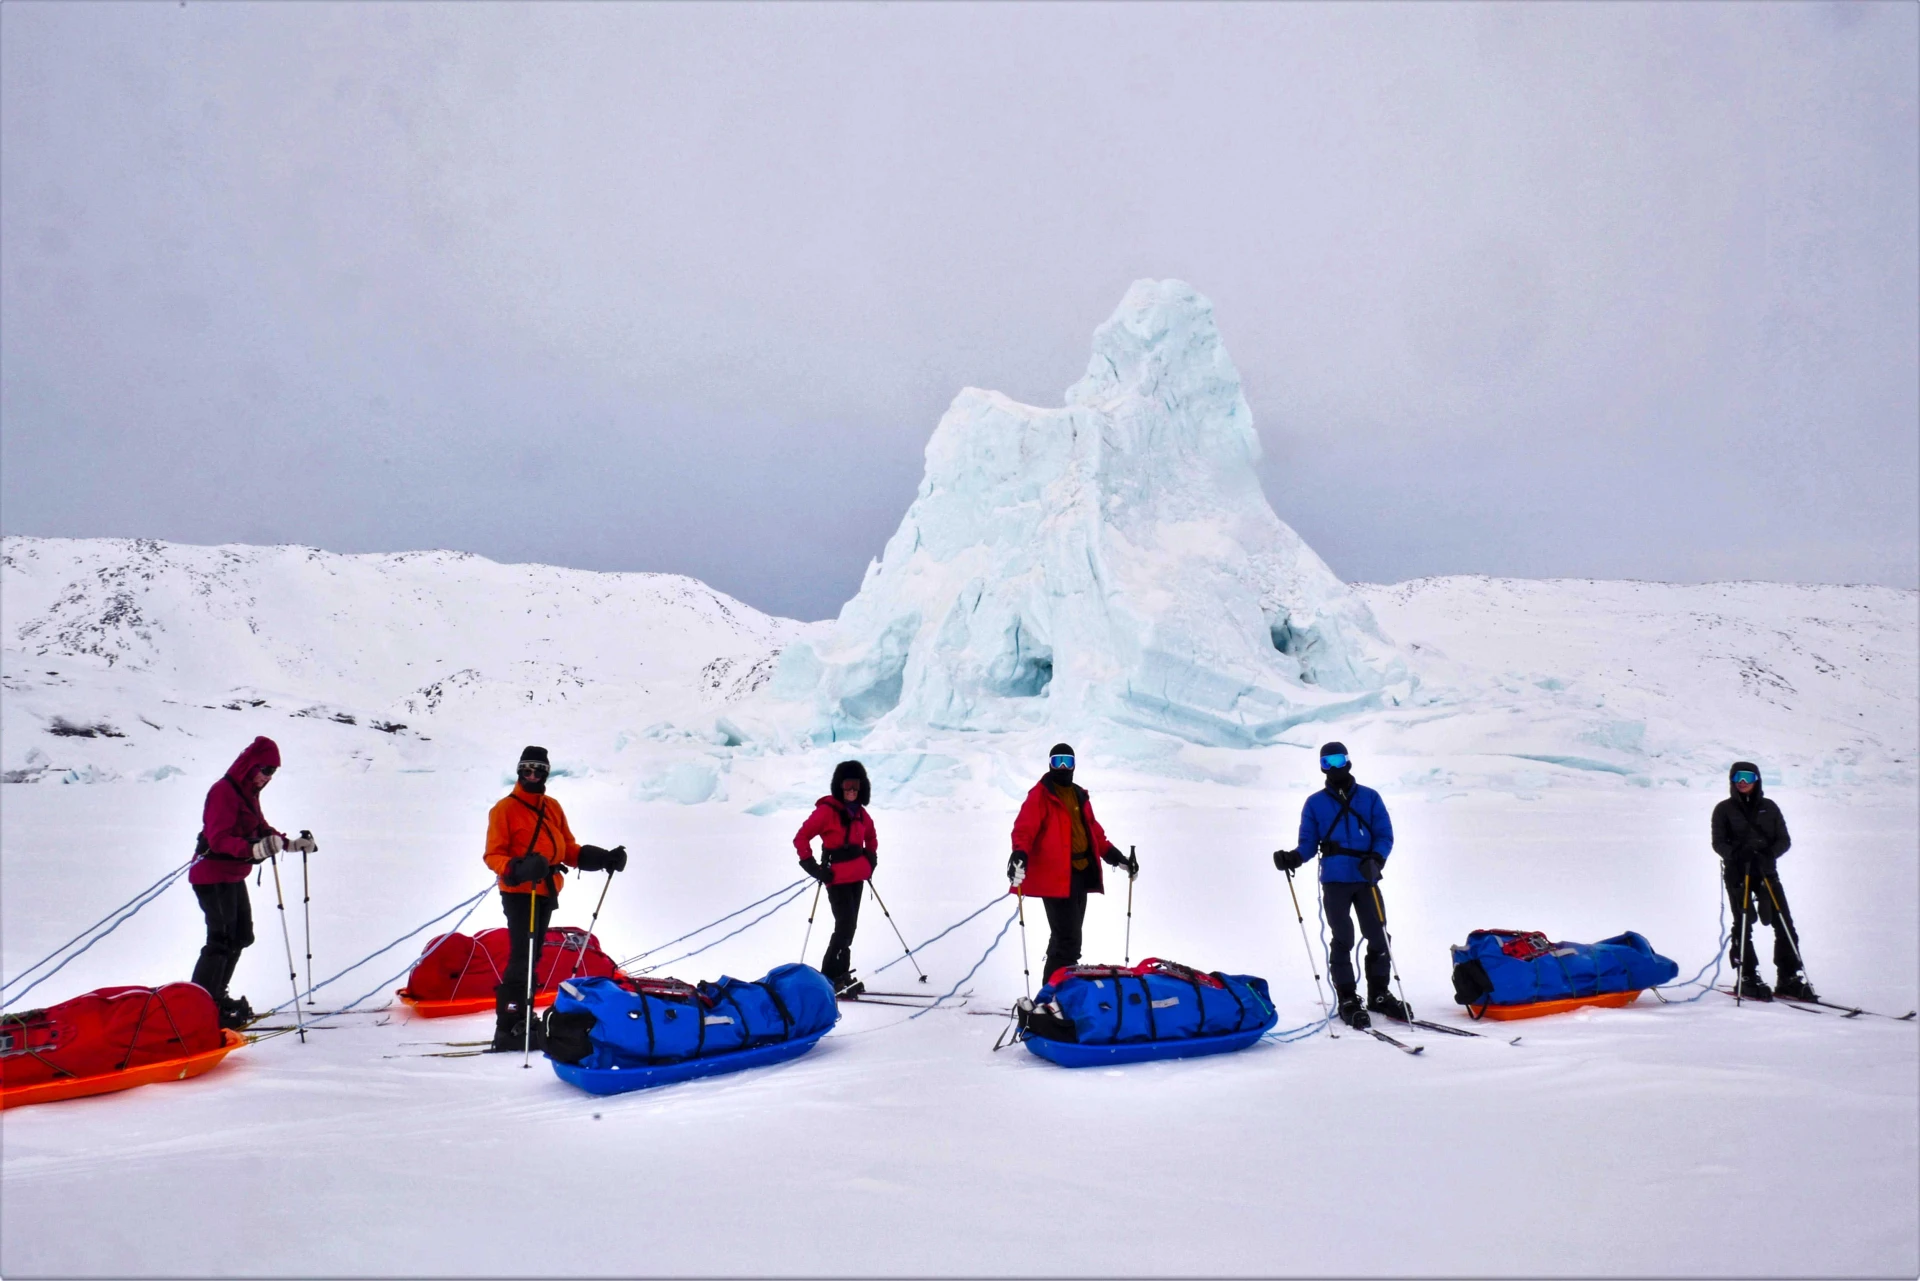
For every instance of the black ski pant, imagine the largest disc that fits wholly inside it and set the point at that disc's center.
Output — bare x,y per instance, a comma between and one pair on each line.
1344,900
229,914
845,902
1766,900
1065,917
513,984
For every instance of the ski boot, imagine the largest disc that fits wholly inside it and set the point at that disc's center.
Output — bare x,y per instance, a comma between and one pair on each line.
1754,988
1387,1006
235,1012
510,1029
1352,1013
1794,987
848,988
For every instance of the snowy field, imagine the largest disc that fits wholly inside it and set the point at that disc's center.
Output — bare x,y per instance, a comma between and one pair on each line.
1661,1139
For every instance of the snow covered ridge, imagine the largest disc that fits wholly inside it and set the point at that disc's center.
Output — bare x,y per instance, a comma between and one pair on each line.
1660,682
115,651
1110,562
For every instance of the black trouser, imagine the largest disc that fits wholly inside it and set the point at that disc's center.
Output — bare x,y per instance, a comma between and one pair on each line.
1356,897
1065,917
1762,893
845,902
229,914
513,984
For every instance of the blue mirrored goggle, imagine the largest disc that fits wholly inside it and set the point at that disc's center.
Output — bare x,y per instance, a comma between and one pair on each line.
1746,776
1060,762
1337,761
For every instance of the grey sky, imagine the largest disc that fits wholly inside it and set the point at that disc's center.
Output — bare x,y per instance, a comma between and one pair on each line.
1596,290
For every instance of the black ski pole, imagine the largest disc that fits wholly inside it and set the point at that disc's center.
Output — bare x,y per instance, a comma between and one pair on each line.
1126,954
1386,934
1742,941
286,936
1326,1012
580,958
306,913
875,891
533,933
804,942
1783,921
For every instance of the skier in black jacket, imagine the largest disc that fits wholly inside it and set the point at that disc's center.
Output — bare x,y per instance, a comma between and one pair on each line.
1749,835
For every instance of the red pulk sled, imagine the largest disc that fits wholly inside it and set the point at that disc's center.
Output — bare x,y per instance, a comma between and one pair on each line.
458,974
111,1039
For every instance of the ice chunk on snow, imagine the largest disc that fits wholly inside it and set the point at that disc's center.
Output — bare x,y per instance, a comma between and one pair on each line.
1113,560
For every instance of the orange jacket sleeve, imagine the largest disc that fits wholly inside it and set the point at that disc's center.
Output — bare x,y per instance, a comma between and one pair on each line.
499,838
564,845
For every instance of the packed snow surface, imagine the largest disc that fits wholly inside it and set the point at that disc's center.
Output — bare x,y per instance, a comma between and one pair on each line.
1561,780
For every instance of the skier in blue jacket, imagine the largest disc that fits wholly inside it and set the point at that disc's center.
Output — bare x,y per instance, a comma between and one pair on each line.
1347,826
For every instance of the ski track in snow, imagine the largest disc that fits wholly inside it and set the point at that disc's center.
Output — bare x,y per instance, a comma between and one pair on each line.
1559,777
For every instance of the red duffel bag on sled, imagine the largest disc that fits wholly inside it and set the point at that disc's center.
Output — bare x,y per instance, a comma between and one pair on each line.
458,973
110,1039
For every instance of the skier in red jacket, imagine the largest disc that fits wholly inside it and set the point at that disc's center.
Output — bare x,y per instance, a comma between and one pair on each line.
234,837
1055,839
849,851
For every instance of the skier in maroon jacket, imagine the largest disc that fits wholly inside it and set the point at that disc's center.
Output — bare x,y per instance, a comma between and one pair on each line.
1058,846
849,851
234,837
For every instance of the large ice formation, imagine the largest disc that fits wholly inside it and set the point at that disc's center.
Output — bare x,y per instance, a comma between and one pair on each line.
1113,560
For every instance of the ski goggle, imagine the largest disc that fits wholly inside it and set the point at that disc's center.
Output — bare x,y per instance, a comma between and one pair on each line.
1062,761
1336,761
268,770
535,767
1746,776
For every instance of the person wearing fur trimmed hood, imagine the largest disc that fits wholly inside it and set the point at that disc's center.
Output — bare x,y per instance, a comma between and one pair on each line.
1750,835
849,851
528,845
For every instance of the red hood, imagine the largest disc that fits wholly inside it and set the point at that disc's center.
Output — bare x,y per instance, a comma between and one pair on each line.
261,753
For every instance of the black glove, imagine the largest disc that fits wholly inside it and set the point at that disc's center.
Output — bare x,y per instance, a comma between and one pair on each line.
527,869
873,860
1017,868
1371,865
1287,860
595,859
811,866
1114,858
1329,846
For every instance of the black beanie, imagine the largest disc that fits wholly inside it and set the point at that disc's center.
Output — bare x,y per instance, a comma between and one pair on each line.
538,754
1063,749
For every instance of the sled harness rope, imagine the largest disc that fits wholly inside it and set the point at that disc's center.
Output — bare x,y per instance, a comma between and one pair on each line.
942,934
124,913
661,947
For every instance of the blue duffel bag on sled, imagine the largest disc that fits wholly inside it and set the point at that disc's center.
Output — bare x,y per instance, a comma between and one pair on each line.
611,1035
1509,974
1092,1015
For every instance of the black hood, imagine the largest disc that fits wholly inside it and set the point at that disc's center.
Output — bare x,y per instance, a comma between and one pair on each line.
851,769
1758,788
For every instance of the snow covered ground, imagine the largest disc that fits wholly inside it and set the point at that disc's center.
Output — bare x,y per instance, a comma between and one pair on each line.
1661,1139
1656,1140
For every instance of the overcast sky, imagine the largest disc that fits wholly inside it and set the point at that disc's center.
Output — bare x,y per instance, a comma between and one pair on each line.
1594,290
